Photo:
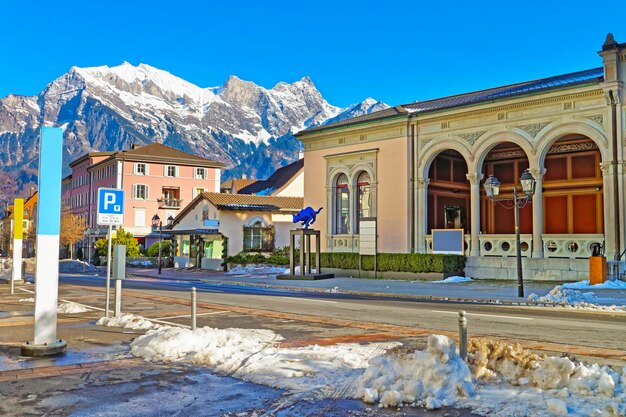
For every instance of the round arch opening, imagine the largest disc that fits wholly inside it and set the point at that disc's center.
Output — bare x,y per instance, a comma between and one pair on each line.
507,162
448,192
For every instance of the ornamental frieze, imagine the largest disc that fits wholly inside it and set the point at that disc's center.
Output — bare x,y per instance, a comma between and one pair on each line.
573,147
471,138
534,128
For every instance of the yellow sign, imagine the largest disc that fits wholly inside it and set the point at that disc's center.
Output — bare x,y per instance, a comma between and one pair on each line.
18,218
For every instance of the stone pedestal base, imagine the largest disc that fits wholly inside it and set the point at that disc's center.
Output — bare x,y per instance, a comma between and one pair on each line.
47,349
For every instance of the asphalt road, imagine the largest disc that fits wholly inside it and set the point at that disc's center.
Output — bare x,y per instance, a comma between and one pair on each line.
539,324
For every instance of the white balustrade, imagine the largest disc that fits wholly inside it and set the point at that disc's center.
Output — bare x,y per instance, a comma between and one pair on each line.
343,243
504,245
569,246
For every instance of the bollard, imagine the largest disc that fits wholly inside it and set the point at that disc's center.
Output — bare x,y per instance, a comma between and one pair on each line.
462,335
193,308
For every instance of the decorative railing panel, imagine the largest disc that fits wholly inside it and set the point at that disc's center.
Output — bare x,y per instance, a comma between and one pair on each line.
569,246
504,245
343,243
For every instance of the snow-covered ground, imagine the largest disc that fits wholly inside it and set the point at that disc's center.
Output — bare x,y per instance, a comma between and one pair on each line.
70,307
452,280
256,269
128,321
576,299
606,285
497,380
26,300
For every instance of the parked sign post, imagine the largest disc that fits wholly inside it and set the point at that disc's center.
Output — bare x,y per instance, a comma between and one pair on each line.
110,213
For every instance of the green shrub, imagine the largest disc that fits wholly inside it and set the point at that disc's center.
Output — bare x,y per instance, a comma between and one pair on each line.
153,250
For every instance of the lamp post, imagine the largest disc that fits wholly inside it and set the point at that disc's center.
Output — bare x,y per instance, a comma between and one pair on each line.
492,189
156,223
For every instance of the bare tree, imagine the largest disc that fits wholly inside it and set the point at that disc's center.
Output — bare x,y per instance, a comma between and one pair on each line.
73,229
8,189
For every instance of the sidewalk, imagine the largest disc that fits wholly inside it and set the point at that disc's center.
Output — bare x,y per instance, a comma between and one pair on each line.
489,291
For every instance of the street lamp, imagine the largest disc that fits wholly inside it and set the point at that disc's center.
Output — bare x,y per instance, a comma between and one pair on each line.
156,222
492,189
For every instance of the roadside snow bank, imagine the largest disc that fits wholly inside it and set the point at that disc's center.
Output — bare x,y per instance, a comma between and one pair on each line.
432,378
252,355
452,280
127,321
71,307
256,270
574,299
498,380
606,285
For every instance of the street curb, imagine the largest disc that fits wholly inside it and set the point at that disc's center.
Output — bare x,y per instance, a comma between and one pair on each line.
488,301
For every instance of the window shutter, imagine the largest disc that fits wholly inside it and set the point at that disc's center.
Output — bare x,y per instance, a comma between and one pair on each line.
134,191
147,169
147,191
176,170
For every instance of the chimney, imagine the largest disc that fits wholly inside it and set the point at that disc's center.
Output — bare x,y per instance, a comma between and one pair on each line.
32,191
132,145
300,155
244,177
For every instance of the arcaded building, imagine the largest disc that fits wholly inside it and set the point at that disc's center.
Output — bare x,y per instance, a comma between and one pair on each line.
421,166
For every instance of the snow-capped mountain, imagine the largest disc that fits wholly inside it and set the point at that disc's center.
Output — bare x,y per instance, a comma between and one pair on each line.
106,108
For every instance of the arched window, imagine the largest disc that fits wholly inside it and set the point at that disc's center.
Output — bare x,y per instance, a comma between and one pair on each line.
364,198
342,205
258,237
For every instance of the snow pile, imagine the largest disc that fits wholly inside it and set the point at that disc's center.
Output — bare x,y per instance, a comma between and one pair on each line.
127,321
70,307
572,298
26,300
547,384
73,266
432,378
256,269
452,280
606,285
334,290
253,355
140,263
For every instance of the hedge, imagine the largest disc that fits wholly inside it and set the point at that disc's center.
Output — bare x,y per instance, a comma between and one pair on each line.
387,262
396,262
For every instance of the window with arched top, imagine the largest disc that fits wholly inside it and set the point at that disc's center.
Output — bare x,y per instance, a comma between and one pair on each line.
342,205
258,237
364,198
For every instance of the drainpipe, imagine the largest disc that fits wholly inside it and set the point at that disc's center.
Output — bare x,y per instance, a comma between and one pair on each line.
618,250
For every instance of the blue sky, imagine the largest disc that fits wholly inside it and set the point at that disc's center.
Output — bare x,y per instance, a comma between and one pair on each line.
398,53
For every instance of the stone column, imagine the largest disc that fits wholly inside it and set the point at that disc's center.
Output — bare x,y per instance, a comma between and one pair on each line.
422,214
352,203
474,179
538,174
609,217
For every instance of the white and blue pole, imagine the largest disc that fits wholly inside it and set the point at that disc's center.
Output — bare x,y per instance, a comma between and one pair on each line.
48,230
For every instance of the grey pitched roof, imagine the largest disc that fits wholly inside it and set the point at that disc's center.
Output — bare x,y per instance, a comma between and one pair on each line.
377,115
544,84
279,178
595,75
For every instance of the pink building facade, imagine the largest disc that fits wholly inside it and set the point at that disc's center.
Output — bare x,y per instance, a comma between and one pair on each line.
156,179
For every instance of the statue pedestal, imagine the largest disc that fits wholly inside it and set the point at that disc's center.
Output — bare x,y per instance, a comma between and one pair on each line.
306,272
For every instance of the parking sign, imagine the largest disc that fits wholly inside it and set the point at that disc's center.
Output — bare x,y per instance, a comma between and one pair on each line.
110,207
